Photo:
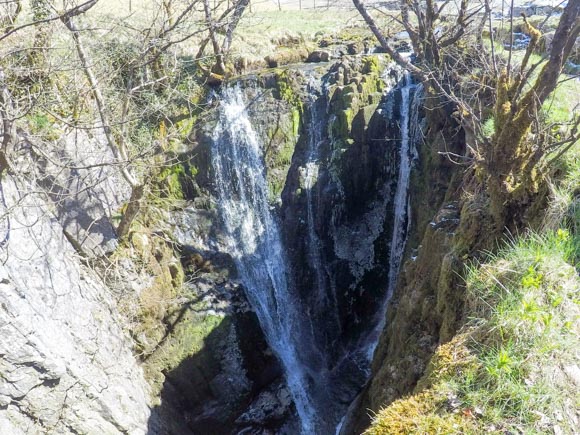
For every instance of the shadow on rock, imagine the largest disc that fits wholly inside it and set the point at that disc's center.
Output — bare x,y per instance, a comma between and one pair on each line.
232,385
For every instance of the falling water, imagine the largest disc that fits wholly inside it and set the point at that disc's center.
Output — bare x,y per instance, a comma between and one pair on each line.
409,128
254,242
296,329
315,136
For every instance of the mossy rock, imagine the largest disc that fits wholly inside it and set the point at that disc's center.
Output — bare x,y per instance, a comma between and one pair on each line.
283,132
429,409
287,56
189,334
167,329
341,126
275,187
361,121
357,99
375,97
175,181
287,89
371,65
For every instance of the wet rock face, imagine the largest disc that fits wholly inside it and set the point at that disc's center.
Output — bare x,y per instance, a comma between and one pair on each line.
335,208
424,307
275,111
219,389
232,383
65,359
65,363
318,56
351,197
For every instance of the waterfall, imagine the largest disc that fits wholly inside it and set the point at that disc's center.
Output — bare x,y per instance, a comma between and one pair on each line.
316,126
322,372
255,244
409,128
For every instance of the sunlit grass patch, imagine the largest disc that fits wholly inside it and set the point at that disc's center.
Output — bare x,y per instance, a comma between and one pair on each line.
506,371
564,102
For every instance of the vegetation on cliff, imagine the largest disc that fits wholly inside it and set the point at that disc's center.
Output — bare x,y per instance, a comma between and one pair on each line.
512,366
482,333
512,160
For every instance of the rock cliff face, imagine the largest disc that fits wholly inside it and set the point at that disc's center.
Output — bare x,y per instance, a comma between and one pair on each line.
427,301
152,336
197,359
66,364
232,382
345,211
218,373
331,149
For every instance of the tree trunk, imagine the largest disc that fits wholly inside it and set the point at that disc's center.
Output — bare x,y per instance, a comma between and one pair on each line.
117,147
118,150
40,11
512,164
8,130
131,211
241,6
219,67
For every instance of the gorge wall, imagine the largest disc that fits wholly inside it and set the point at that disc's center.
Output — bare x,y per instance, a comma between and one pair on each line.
66,364
331,141
252,289
427,302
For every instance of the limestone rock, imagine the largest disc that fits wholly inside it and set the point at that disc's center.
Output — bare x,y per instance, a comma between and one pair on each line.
286,56
270,404
65,363
86,192
357,47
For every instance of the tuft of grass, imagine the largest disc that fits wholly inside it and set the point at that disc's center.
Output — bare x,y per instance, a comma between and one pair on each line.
564,208
524,303
43,126
563,102
423,413
488,128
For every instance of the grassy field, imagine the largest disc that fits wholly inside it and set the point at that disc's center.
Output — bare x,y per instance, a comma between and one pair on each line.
261,26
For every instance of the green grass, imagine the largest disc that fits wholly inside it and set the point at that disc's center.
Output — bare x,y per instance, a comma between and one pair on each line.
260,32
306,22
39,122
507,370
261,25
564,208
523,306
43,126
488,127
563,103
504,371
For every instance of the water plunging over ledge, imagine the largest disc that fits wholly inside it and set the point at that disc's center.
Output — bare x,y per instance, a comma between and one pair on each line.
254,242
293,326
410,130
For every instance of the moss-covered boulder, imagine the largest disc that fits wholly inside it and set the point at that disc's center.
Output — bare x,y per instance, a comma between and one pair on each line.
357,91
